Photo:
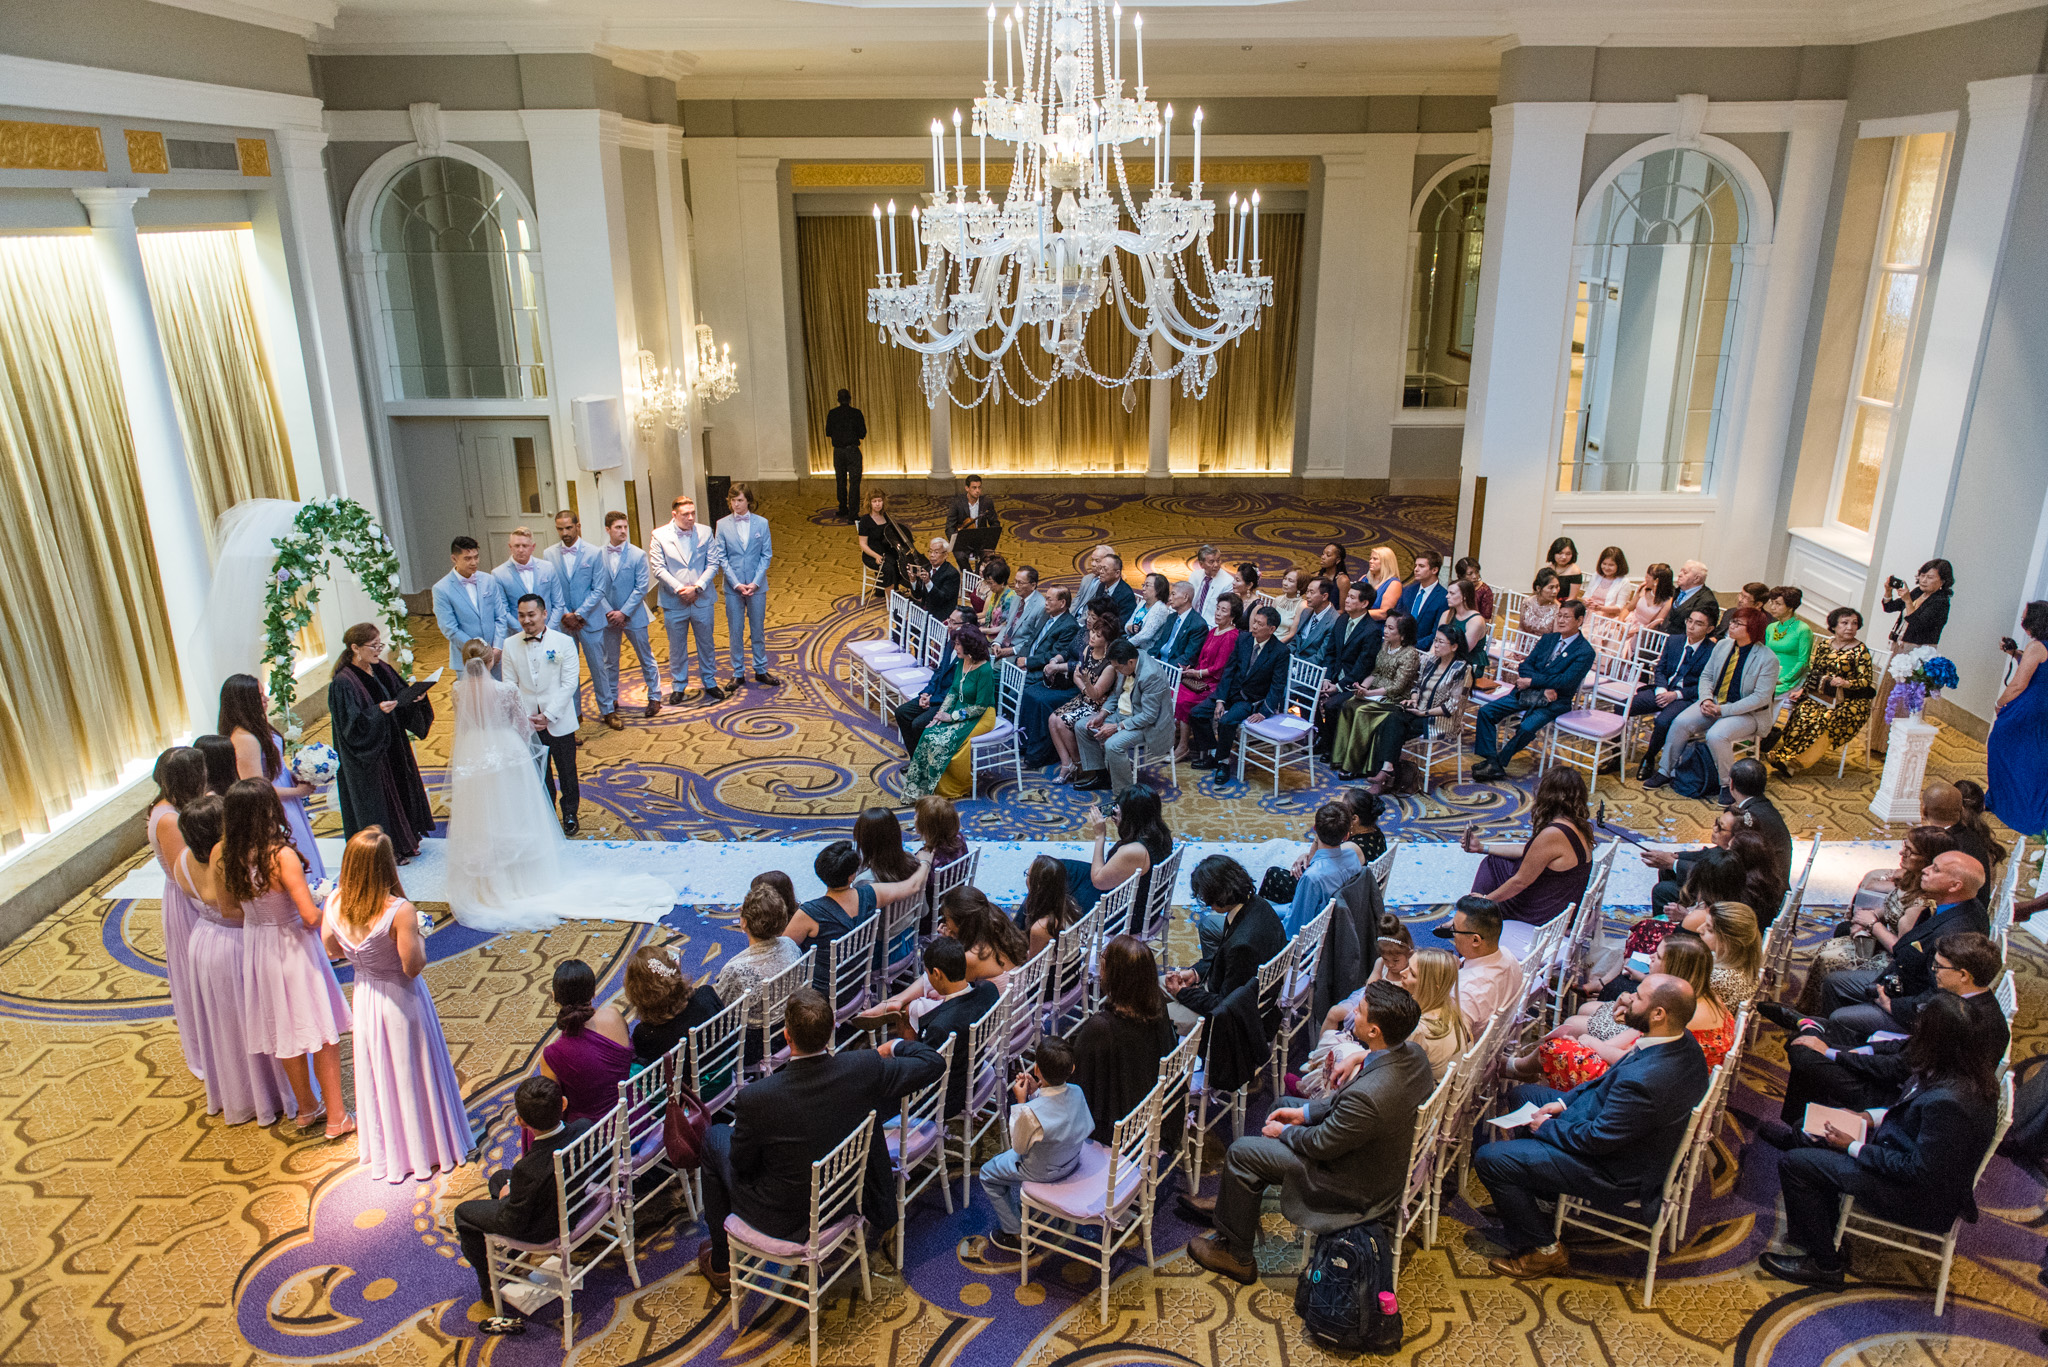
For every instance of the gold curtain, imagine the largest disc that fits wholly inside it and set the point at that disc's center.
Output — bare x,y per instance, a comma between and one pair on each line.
1245,423
843,350
227,398
91,677
1079,426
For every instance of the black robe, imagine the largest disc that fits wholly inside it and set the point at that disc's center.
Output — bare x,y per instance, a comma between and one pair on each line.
379,783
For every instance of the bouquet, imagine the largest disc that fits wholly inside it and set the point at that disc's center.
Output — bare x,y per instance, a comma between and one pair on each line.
316,764
1917,675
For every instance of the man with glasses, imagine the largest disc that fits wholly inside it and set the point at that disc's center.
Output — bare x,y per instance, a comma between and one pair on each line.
1488,977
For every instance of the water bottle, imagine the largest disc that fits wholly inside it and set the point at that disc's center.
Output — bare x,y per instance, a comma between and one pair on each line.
1385,1336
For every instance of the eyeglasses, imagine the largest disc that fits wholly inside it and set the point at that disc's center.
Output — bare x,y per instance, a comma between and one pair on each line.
1471,934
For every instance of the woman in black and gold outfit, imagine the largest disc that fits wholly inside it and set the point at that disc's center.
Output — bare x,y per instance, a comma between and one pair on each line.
1830,707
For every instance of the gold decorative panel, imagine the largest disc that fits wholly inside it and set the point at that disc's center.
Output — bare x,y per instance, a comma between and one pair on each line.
1137,166
255,156
147,154
812,175
51,147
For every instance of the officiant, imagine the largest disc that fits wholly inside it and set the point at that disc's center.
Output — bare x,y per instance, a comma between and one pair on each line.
379,783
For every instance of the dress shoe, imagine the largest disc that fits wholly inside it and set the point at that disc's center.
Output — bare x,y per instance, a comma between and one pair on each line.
1800,1268
612,720
1535,1262
1000,1246
677,698
1205,760
1209,1251
654,707
1196,1210
1094,781
721,1282
1657,780
768,679
1486,771
570,826
1647,770
1780,1136
1612,766
1778,767
1781,1015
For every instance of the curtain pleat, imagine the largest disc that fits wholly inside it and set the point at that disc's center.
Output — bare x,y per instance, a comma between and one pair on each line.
843,350
91,676
1245,423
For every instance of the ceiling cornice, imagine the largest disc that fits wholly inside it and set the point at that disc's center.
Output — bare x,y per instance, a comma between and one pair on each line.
303,17
1303,86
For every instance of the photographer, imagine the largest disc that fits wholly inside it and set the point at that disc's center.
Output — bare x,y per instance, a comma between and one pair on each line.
2016,755
1922,614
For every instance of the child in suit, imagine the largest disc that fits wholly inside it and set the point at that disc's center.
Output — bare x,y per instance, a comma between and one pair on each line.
961,1003
522,1204
1048,1126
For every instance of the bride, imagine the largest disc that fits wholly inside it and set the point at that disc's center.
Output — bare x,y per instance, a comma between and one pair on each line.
509,865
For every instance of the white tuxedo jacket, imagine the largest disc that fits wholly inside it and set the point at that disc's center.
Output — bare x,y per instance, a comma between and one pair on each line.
546,674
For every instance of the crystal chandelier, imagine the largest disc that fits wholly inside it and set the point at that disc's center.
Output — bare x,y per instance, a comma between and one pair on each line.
718,379
1069,233
663,398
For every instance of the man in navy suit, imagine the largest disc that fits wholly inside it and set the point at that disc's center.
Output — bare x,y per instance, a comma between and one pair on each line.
1675,684
1347,658
916,713
1313,626
1610,1139
1862,1001
1543,691
1182,640
1424,598
1253,687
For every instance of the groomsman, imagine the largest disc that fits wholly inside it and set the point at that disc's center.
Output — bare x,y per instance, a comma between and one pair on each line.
528,573
575,562
469,606
680,558
741,551
618,603
541,662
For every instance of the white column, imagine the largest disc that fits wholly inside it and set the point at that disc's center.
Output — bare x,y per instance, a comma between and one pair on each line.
780,451
2001,116
942,441
177,533
672,213
1159,424
1355,372
1523,333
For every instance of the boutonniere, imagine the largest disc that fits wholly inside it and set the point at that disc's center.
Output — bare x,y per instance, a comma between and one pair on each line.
551,655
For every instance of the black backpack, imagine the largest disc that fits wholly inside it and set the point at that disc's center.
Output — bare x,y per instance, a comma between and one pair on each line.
1338,1293
1695,774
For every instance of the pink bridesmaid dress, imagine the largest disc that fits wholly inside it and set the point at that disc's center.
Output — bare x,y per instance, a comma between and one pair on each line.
241,1085
410,1117
290,1000
296,818
179,916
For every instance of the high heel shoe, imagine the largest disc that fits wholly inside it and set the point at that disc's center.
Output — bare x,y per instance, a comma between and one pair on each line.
348,1127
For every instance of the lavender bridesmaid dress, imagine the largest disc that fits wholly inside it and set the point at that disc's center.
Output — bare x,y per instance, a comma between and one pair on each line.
290,1000
178,918
240,1085
296,818
410,1118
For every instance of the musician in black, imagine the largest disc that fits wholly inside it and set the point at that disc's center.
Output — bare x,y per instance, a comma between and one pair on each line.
846,428
972,527
885,544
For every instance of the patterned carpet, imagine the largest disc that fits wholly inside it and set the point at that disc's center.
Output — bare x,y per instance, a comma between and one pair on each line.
135,1230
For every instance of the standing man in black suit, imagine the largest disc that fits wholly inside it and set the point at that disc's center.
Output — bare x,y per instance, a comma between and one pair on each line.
1675,684
522,1204
972,527
759,1167
846,428
1611,1139
1252,688
936,587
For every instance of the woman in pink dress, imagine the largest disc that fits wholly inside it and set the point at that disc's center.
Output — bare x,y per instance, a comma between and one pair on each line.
240,1086
1199,679
1653,600
292,1007
180,781
259,753
409,1109
594,1051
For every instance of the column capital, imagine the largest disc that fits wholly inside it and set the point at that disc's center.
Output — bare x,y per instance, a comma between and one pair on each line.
2005,96
111,206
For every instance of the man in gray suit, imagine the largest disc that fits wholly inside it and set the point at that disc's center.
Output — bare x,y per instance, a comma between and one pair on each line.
679,557
1345,1153
1139,712
1022,629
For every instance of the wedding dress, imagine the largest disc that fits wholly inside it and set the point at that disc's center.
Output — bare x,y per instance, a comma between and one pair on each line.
509,865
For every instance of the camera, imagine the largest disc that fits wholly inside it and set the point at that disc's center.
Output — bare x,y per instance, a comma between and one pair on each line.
2008,645
1894,582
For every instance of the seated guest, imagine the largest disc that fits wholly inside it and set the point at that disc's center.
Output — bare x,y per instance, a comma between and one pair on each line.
1735,831
942,762
1886,906
1137,712
936,587
1343,1153
1331,864
958,1003
1182,637
1544,686
1423,600
1154,613
1972,832
845,904
1488,976
938,826
1375,699
1718,875
1288,604
915,714
1050,1122
1863,1002
763,916
1538,615
1537,879
759,1166
1762,891
1253,687
1832,703
1052,731
1022,625
593,1051
1366,810
1857,1078
1609,593
1789,638
883,543
1692,592
1609,1140
1729,929
1198,680
1049,908
522,1203
991,946
1058,638
998,602
1436,702
1112,595
1350,653
1571,576
666,1004
1917,1165
1319,613
1472,632
1210,580
1142,840
1117,1050
1737,698
1431,977
1091,586
1587,1044
1251,934
1481,595
1746,782
1650,609
878,839
1673,686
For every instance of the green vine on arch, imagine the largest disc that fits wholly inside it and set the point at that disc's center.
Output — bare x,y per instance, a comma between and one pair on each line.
322,530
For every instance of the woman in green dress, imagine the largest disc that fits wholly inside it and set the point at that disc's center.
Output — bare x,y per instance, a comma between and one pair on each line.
1830,707
941,762
1790,639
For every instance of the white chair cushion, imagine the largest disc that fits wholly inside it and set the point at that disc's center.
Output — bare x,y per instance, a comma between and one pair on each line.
911,678
745,1234
871,648
1284,729
999,734
1492,692
1593,725
923,1134
1080,1195
1614,690
884,661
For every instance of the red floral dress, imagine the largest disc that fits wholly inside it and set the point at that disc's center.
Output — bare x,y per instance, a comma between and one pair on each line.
1568,1062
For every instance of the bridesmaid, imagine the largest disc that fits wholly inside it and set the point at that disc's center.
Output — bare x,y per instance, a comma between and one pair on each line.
293,1006
240,1086
408,1104
259,753
180,781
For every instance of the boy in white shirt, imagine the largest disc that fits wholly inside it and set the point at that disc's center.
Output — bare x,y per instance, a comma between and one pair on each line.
1048,1126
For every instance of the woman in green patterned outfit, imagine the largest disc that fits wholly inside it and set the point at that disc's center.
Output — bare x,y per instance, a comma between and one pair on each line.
941,763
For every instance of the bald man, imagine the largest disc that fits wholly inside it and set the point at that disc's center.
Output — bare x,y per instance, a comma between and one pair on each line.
1610,1139
1941,804
1861,1002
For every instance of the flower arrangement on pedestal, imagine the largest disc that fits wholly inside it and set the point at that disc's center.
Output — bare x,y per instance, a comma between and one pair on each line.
1917,675
322,530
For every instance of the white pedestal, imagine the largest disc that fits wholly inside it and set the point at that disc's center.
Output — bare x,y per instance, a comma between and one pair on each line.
1905,770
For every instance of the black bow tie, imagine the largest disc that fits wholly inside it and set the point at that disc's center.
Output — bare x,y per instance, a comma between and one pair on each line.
533,638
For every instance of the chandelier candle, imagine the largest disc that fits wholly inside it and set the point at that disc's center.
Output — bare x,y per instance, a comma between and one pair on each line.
1197,183
1138,28
1166,152
881,267
1009,59
892,237
1255,230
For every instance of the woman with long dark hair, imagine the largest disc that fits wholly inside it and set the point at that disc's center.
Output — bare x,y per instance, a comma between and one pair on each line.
259,753
219,754
593,1051
379,783
1535,880
878,835
292,1006
180,782
1049,907
940,764
1117,1050
1142,840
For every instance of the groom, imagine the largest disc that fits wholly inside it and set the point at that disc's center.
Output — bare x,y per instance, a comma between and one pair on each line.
542,663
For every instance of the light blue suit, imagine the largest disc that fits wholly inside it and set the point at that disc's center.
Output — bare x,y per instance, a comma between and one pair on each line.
624,592
576,567
748,565
487,617
547,582
682,560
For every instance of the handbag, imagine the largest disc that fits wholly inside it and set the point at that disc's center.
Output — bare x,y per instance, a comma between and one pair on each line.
683,1129
1278,885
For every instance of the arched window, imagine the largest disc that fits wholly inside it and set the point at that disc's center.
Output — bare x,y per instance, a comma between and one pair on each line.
1449,231
459,283
1654,327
